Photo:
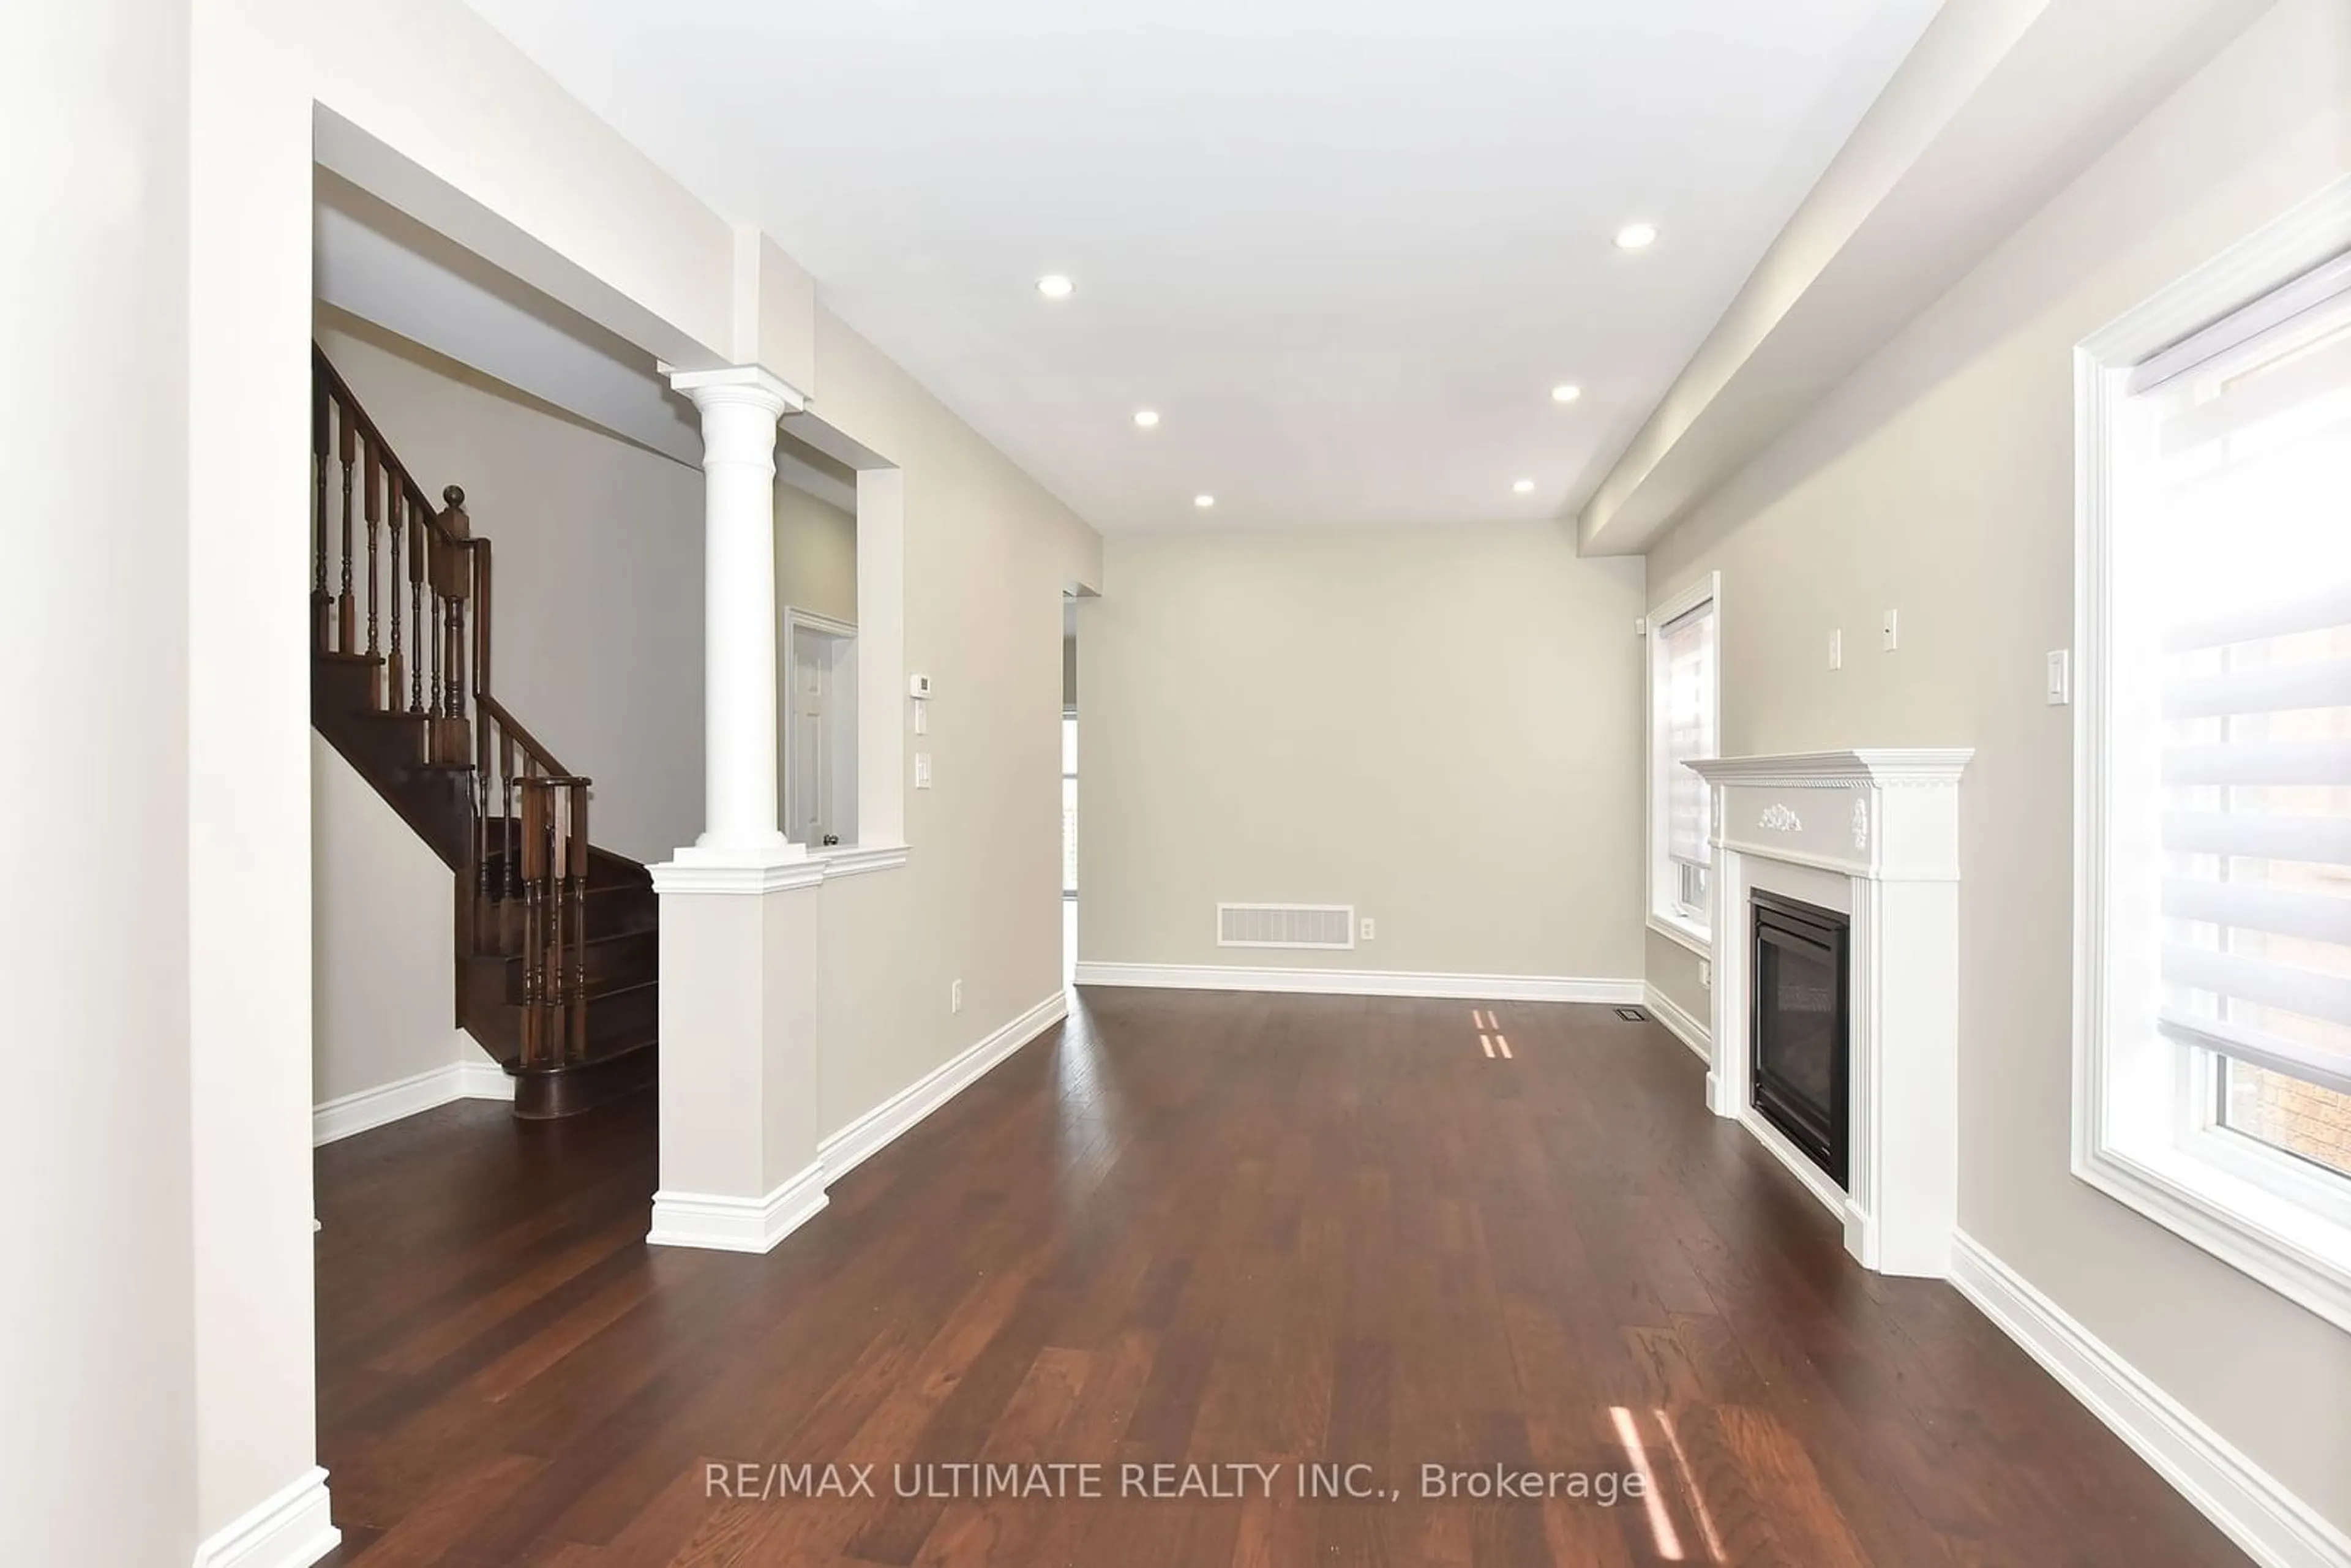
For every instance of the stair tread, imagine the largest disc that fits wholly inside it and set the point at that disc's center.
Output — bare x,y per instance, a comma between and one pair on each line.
608,938
337,657
598,1055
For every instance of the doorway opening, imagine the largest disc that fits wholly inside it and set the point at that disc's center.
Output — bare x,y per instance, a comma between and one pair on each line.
820,731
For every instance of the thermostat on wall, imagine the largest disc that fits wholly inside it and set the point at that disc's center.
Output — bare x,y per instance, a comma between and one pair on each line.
918,686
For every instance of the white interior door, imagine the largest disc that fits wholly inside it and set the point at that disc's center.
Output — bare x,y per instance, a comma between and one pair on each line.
820,736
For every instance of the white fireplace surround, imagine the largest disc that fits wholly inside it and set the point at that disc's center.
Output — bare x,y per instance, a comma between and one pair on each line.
1874,836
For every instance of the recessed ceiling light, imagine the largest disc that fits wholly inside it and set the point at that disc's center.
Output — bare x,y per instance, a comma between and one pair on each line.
1204,500
1524,486
1146,418
1637,236
1056,285
1565,393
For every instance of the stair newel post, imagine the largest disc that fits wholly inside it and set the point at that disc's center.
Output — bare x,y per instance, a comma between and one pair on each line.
452,568
371,508
320,457
346,606
576,912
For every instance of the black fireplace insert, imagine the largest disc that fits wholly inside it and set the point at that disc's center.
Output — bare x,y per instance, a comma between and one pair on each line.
1800,1056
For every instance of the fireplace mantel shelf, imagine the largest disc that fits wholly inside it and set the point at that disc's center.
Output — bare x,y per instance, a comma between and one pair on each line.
1873,835
1882,766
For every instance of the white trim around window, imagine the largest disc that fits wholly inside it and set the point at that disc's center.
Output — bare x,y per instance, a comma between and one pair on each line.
2145,1128
1660,893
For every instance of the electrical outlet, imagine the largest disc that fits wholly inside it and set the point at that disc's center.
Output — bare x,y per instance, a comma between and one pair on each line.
1370,930
1837,650
1892,617
955,996
922,770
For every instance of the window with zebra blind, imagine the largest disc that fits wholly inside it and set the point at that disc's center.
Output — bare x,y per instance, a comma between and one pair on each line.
2216,759
1683,694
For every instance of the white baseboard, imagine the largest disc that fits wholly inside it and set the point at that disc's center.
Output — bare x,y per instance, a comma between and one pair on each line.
1690,1030
2273,1526
291,1530
724,1224
756,1225
1362,983
477,1078
866,1137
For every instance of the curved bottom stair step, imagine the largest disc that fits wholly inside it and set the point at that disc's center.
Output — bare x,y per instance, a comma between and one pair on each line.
550,1094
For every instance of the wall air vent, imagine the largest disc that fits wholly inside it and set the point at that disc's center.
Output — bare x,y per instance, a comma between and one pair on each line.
1285,926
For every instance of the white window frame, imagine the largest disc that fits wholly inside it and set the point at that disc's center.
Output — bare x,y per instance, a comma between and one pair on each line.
2145,1128
1661,892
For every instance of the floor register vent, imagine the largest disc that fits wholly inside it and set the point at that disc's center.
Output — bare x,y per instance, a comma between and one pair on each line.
1326,925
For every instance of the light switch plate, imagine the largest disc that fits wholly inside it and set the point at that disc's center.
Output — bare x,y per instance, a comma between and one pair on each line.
922,718
1837,650
1892,619
922,770
2060,677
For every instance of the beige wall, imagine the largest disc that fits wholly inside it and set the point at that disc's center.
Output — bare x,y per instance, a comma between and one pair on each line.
816,556
1676,974
1939,480
598,614
383,963
1440,726
988,554
96,1461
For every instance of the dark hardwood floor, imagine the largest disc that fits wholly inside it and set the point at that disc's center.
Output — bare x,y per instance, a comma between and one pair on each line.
1190,1228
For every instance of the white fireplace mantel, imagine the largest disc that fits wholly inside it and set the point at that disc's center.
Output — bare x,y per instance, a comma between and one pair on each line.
1873,835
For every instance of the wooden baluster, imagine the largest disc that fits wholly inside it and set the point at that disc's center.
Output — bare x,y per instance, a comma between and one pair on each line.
419,554
439,610
481,783
346,606
371,506
395,682
320,457
507,772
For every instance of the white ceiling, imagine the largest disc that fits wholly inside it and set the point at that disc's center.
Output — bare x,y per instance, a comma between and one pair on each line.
1344,247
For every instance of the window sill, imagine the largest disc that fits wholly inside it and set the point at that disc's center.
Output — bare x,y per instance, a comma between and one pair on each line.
1697,938
2303,1255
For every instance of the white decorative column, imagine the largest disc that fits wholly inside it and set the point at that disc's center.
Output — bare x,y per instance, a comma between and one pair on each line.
1873,836
741,920
739,407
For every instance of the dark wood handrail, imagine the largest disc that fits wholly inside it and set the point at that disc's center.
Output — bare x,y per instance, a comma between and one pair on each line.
548,768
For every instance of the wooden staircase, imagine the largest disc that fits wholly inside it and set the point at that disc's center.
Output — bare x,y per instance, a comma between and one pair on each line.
558,942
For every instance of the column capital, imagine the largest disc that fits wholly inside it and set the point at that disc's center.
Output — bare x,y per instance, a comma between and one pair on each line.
741,386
